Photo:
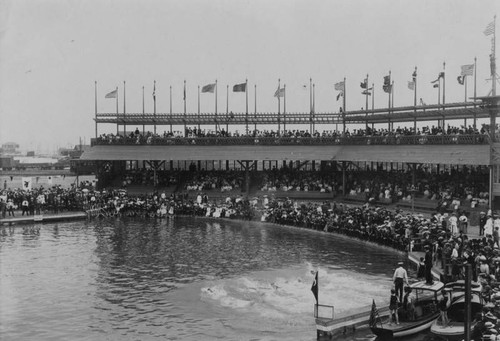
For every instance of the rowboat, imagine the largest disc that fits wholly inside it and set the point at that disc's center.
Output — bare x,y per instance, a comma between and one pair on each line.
426,298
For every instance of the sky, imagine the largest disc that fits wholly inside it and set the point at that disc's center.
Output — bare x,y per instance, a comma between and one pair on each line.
53,51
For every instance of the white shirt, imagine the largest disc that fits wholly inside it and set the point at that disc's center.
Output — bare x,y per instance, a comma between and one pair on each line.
400,272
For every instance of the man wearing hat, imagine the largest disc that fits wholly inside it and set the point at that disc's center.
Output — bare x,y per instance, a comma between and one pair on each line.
428,265
482,222
400,277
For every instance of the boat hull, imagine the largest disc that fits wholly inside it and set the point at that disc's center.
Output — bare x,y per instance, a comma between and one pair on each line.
405,328
453,332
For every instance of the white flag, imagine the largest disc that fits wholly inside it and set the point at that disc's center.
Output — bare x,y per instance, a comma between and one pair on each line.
26,183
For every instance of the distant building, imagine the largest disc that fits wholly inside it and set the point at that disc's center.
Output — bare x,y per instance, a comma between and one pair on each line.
30,153
9,148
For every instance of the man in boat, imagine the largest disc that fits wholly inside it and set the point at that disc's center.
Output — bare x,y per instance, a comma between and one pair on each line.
400,277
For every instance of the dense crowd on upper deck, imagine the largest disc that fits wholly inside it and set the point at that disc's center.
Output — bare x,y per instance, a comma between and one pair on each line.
193,134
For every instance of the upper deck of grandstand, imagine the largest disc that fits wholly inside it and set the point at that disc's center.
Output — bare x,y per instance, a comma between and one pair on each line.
450,111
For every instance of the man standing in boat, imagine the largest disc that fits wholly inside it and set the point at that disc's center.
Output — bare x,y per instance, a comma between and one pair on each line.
400,277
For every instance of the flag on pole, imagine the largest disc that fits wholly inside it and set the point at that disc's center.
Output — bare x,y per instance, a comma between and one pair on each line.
490,29
461,80
240,87
26,183
279,92
314,287
366,92
441,75
374,316
340,86
112,94
341,94
387,87
364,84
208,88
467,70
411,85
154,92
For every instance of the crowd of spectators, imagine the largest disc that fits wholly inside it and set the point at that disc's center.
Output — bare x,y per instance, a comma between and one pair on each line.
193,133
222,181
42,200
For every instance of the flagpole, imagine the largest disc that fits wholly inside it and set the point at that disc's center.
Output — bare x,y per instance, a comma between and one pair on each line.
184,107
198,108
95,102
414,76
284,108
373,98
465,99
246,105
170,109
279,124
389,103
310,103
444,84
154,104
143,126
117,114
475,73
366,95
493,60
216,125
255,127
344,109
227,108
313,109
124,123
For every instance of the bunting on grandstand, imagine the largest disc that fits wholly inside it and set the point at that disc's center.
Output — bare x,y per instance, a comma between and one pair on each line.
240,87
112,94
279,92
467,70
206,88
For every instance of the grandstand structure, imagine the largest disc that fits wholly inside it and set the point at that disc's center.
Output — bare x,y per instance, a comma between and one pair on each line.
111,158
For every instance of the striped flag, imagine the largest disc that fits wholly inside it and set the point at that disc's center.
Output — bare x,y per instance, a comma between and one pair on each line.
208,88
112,94
279,92
467,70
340,86
490,29
374,316
411,85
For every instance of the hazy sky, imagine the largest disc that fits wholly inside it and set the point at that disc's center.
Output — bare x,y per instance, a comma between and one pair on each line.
52,51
